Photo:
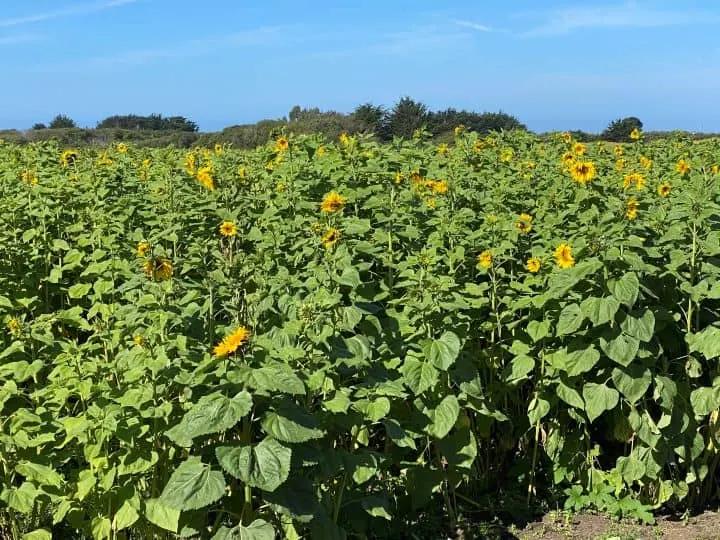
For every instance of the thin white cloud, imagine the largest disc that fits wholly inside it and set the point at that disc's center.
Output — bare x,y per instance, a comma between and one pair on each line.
186,49
630,14
71,10
476,26
21,39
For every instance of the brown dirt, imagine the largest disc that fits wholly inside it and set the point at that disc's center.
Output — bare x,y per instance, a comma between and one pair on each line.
564,526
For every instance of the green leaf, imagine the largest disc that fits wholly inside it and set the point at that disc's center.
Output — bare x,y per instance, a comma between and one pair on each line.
598,399
576,362
626,289
125,517
40,474
705,400
213,413
79,290
291,425
519,368
21,499
6,303
639,325
376,506
459,449
631,469
706,342
538,330
419,376
444,417
570,396
193,485
600,310
570,320
38,534
397,434
373,410
443,352
100,527
257,530
537,410
163,516
265,466
632,381
620,348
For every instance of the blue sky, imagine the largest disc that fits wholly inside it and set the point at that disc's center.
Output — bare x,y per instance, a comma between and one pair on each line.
554,65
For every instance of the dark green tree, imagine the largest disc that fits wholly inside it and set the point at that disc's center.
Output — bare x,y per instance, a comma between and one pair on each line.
619,130
406,116
371,118
62,121
39,125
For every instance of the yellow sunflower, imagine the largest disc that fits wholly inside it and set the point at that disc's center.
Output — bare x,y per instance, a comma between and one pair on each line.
459,130
631,209
14,325
664,189
443,149
205,177
485,259
232,342
281,144
331,237
143,248
524,223
332,202
533,265
579,149
69,158
158,269
636,179
682,166
506,155
715,169
228,229
583,172
645,162
219,148
635,134
564,256
320,151
122,148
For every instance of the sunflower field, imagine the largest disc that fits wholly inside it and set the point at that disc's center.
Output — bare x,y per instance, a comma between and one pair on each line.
347,339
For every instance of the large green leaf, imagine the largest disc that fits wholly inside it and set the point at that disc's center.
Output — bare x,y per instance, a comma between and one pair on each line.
600,310
444,351
419,376
705,400
38,534
575,362
570,396
265,466
193,485
598,399
257,530
706,342
626,289
620,348
570,320
163,516
444,417
40,474
639,325
213,413
632,381
292,425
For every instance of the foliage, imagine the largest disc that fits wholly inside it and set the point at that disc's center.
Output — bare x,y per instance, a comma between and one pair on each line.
154,122
406,117
62,121
39,126
431,329
619,130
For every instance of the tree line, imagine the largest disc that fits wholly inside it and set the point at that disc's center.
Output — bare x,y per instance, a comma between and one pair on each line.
401,120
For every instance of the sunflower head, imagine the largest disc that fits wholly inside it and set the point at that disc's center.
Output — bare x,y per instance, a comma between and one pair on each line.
579,149
583,171
158,269
631,209
715,169
330,238
485,259
645,162
635,134
564,256
228,229
122,148
682,166
14,325
69,158
143,248
332,202
232,342
533,265
205,178
664,189
219,148
506,155
281,144
459,130
618,150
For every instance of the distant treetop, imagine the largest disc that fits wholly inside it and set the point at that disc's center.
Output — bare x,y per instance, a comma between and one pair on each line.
154,122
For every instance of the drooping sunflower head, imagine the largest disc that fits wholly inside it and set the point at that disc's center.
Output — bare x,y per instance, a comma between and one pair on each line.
635,179
228,229
143,248
158,268
485,259
69,158
664,189
533,265
583,171
332,202
330,238
631,209
564,256
232,342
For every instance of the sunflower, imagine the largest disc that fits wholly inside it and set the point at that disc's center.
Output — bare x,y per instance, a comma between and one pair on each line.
143,248
485,259
281,144
158,269
618,151
583,171
139,340
69,158
228,229
205,177
492,219
636,178
399,177
14,325
506,155
331,237
440,186
620,164
568,158
635,134
332,202
564,257
478,146
631,209
443,149
191,163
459,130
431,202
29,177
320,151
105,159
664,189
219,148
524,223
533,265
232,342
579,149
122,148
645,162
566,137
682,166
